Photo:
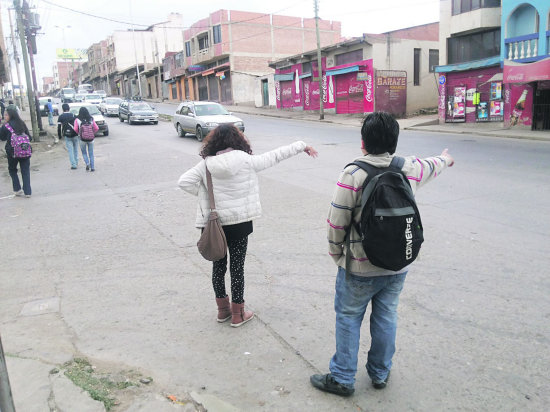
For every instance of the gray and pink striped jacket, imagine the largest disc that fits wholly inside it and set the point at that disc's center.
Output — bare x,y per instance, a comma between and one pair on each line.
346,205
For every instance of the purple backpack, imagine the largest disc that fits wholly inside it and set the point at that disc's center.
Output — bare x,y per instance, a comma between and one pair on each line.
21,144
86,131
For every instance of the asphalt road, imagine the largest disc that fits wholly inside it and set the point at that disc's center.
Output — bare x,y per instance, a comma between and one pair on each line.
118,248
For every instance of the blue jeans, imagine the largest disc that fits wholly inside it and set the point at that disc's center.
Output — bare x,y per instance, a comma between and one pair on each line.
50,118
72,147
88,150
350,303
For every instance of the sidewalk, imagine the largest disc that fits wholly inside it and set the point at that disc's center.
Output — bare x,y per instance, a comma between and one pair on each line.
425,123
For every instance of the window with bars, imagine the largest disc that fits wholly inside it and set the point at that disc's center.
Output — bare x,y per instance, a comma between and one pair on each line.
433,59
473,46
187,48
416,73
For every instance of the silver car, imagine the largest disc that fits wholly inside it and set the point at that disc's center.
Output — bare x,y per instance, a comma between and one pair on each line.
200,118
109,106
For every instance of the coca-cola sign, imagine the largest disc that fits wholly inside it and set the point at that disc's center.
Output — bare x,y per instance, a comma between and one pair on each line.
369,92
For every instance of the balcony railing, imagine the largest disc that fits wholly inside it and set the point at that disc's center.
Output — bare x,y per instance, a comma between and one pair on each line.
522,47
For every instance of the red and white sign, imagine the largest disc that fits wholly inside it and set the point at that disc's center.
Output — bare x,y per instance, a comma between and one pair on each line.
526,72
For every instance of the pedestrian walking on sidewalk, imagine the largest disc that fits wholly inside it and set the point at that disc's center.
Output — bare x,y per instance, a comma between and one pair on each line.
65,128
15,129
363,282
228,156
49,110
2,107
85,127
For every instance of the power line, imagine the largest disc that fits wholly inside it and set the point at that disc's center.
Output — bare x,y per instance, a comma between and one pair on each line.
163,26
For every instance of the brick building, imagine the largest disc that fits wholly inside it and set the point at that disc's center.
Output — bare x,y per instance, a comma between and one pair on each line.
225,53
63,74
47,85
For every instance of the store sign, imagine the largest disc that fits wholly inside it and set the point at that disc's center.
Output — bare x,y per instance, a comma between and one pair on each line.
391,92
442,79
71,54
362,76
195,68
526,72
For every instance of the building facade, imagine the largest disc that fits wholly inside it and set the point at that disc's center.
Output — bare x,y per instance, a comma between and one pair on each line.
392,71
470,77
47,85
5,76
225,53
113,63
525,51
63,74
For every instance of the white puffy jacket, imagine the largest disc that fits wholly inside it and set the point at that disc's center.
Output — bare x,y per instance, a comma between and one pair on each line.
236,190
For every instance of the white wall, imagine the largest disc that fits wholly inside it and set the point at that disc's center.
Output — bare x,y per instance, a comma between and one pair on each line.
245,89
401,57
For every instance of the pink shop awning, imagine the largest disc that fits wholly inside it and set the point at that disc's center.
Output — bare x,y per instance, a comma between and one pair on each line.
526,72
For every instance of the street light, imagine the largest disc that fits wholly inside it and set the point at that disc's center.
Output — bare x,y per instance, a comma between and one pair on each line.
69,77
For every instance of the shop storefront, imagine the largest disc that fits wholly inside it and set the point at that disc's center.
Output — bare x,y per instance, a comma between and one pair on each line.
351,86
528,94
471,92
212,84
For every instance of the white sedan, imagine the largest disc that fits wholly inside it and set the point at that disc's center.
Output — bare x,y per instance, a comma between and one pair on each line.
109,106
92,98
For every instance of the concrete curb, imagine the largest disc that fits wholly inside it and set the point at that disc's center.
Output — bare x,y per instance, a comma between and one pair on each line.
495,134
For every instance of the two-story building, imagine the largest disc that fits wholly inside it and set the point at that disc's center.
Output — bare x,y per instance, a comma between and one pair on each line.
470,79
225,53
392,71
525,51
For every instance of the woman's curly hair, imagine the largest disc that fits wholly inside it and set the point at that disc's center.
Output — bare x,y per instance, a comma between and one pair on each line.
224,137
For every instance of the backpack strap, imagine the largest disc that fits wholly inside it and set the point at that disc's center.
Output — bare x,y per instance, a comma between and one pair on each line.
8,126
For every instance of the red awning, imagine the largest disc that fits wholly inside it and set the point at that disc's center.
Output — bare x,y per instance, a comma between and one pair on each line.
526,72
208,72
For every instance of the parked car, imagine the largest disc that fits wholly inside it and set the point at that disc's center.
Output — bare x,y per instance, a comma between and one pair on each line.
92,98
137,112
85,88
200,118
74,108
102,93
42,101
79,97
67,95
109,106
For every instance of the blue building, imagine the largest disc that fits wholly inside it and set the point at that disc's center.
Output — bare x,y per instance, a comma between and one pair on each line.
525,56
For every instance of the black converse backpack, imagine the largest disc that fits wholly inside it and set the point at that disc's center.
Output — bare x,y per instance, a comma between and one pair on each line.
390,226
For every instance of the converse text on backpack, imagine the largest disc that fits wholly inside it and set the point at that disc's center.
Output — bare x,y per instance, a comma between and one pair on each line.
408,236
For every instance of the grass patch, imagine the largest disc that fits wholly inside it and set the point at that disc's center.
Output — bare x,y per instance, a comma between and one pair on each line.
100,387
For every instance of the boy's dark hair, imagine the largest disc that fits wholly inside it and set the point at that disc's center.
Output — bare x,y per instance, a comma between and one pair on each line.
65,107
379,133
49,100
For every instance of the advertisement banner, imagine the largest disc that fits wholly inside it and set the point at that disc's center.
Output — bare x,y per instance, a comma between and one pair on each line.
71,54
391,92
518,100
526,72
289,93
353,95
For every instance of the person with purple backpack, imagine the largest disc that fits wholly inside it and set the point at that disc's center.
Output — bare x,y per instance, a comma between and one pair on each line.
85,127
18,150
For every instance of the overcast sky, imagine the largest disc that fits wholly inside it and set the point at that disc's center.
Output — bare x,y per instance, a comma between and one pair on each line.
357,17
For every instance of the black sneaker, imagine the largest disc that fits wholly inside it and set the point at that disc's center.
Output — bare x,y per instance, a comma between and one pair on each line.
327,383
381,384
87,167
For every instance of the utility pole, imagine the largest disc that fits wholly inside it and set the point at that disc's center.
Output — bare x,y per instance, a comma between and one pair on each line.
16,59
319,62
30,91
6,399
135,49
30,34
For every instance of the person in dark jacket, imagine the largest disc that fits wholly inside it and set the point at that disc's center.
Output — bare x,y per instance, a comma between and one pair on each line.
18,125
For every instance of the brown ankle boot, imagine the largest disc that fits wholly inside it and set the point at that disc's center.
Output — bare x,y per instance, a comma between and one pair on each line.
239,315
224,311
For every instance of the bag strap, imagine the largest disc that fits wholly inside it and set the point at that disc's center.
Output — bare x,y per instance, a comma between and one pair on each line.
210,190
8,126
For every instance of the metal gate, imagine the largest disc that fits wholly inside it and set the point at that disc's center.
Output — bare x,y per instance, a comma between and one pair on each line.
541,110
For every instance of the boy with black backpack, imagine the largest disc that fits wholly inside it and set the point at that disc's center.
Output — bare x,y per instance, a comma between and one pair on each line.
374,234
65,129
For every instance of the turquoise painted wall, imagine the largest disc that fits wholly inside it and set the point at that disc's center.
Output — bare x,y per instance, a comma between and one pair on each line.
522,22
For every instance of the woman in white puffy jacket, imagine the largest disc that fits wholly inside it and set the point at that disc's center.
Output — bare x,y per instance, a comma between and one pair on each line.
233,167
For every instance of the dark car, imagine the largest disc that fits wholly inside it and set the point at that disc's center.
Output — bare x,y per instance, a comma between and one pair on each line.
137,112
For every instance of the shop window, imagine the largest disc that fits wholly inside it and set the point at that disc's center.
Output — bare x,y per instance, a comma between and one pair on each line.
474,46
433,60
464,6
416,74
306,67
349,57
217,34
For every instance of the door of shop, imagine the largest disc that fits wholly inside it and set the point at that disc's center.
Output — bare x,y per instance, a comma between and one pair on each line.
265,93
349,93
203,89
287,98
541,110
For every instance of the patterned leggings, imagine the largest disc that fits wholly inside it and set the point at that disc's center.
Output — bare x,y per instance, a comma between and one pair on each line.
237,252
